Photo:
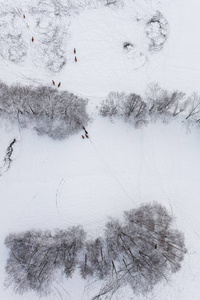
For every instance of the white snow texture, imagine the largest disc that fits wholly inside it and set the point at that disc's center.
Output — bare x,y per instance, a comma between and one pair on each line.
120,46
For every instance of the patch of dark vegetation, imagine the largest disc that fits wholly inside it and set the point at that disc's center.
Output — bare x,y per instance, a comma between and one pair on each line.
157,29
9,152
57,114
8,158
127,46
140,252
158,104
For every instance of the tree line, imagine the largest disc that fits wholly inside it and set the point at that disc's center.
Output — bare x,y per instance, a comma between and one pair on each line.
157,104
140,251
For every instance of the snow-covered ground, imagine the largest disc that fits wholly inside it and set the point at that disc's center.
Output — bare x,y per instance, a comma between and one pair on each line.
55,184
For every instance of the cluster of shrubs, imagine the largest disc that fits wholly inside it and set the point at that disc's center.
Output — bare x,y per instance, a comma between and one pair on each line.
158,104
57,114
141,251
157,29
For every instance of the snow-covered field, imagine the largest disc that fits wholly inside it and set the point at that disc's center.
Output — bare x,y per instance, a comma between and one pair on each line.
55,184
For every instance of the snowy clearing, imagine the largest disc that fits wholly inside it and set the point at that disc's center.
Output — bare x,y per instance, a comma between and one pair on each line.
48,184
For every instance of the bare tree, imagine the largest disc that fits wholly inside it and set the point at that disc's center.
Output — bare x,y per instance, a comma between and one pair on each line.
135,110
193,111
164,104
181,105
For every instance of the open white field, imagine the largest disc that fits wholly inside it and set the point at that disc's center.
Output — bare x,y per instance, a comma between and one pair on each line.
56,184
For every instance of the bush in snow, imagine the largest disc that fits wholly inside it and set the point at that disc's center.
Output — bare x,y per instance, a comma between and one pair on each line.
157,31
57,114
37,257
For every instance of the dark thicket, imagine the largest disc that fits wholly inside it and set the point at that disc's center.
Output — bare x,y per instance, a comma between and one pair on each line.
135,110
57,114
8,156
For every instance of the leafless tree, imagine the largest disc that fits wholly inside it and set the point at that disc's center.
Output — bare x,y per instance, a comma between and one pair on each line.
135,110
111,106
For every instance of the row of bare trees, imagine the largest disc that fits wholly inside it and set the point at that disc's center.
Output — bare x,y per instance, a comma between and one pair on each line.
59,114
140,252
158,104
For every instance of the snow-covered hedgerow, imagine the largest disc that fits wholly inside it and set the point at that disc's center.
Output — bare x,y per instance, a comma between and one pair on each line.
140,252
158,104
57,114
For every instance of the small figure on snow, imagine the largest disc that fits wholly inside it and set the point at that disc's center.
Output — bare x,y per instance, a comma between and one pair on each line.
59,84
53,82
75,59
82,136
74,50
32,39
24,16
84,129
87,136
